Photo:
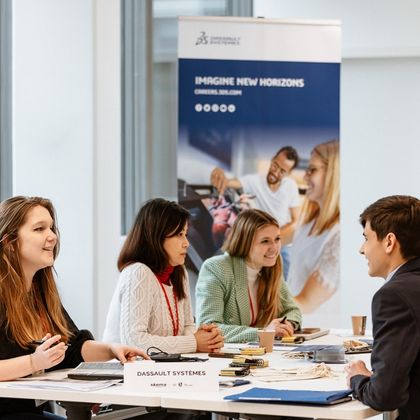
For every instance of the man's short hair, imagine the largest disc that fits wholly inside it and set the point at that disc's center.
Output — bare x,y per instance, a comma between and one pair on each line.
290,153
399,214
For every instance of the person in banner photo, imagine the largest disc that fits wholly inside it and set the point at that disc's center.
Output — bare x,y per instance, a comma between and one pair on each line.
275,193
36,332
151,306
244,289
315,260
391,246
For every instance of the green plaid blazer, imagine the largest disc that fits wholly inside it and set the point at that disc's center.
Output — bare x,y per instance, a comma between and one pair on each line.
222,298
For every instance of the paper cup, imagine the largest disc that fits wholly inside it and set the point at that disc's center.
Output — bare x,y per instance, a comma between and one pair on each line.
359,324
266,339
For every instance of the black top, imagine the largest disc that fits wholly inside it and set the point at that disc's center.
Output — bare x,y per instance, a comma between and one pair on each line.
395,359
9,349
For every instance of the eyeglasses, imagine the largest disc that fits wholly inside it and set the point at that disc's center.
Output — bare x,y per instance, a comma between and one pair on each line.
276,167
312,169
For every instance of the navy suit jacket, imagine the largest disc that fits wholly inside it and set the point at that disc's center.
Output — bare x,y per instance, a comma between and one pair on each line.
395,359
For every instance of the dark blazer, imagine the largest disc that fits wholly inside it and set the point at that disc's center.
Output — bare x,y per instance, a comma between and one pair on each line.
395,359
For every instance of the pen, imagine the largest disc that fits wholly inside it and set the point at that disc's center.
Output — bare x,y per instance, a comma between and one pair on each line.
284,319
39,342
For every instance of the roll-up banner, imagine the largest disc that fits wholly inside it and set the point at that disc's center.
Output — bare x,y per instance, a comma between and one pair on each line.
249,88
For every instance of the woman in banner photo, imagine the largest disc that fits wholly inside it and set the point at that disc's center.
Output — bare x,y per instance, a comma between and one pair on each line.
36,333
315,267
244,289
151,306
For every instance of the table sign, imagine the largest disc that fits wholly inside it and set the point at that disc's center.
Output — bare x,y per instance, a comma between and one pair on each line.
152,376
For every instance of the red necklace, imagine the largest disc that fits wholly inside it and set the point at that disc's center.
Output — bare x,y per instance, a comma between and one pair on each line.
175,320
253,320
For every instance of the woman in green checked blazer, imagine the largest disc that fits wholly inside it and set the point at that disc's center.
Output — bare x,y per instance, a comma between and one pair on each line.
244,289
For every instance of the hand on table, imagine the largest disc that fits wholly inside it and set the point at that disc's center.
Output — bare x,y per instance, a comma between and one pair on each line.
209,338
127,353
356,367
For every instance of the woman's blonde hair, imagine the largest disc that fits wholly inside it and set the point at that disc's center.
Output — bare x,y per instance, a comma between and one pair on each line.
329,154
239,243
27,315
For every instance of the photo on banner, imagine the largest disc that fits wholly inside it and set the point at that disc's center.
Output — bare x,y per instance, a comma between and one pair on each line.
247,89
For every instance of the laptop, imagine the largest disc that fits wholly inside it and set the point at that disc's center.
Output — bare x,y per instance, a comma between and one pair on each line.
97,371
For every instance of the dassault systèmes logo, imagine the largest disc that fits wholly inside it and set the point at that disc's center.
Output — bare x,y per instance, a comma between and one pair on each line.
205,39
202,39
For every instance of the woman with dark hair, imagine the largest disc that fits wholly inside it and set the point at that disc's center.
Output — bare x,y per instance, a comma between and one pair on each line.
244,289
151,306
30,306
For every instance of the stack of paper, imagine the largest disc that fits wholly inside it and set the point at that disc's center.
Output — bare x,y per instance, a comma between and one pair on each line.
70,384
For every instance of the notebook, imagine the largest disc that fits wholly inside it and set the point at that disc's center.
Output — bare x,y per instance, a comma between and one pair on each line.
310,333
305,333
95,371
292,396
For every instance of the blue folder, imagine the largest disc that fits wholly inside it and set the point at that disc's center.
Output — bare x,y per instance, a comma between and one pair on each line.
292,396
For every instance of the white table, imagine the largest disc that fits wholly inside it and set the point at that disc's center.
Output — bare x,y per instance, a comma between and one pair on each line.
207,401
204,401
214,402
79,403
114,395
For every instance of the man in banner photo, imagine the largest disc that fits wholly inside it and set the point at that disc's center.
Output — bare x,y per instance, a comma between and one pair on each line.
248,88
276,193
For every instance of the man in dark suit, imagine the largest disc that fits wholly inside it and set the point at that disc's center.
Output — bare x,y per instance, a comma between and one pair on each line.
392,249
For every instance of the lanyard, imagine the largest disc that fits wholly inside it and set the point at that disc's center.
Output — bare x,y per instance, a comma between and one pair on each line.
175,320
253,320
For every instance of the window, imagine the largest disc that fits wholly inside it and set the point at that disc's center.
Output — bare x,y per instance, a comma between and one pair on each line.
5,99
149,94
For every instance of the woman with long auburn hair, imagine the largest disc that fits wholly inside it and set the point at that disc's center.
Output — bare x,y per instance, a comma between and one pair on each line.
30,306
243,289
151,306
314,267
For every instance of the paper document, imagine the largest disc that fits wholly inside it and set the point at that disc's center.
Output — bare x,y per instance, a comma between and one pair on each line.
65,384
57,379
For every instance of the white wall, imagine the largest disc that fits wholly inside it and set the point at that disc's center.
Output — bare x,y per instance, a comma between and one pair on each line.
107,155
53,131
380,92
370,28
67,136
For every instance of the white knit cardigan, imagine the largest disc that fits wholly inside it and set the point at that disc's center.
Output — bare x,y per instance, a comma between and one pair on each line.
138,314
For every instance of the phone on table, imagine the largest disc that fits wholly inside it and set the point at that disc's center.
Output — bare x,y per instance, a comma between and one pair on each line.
163,357
233,382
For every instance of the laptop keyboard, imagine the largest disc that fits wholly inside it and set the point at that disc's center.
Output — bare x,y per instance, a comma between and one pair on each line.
97,371
101,366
